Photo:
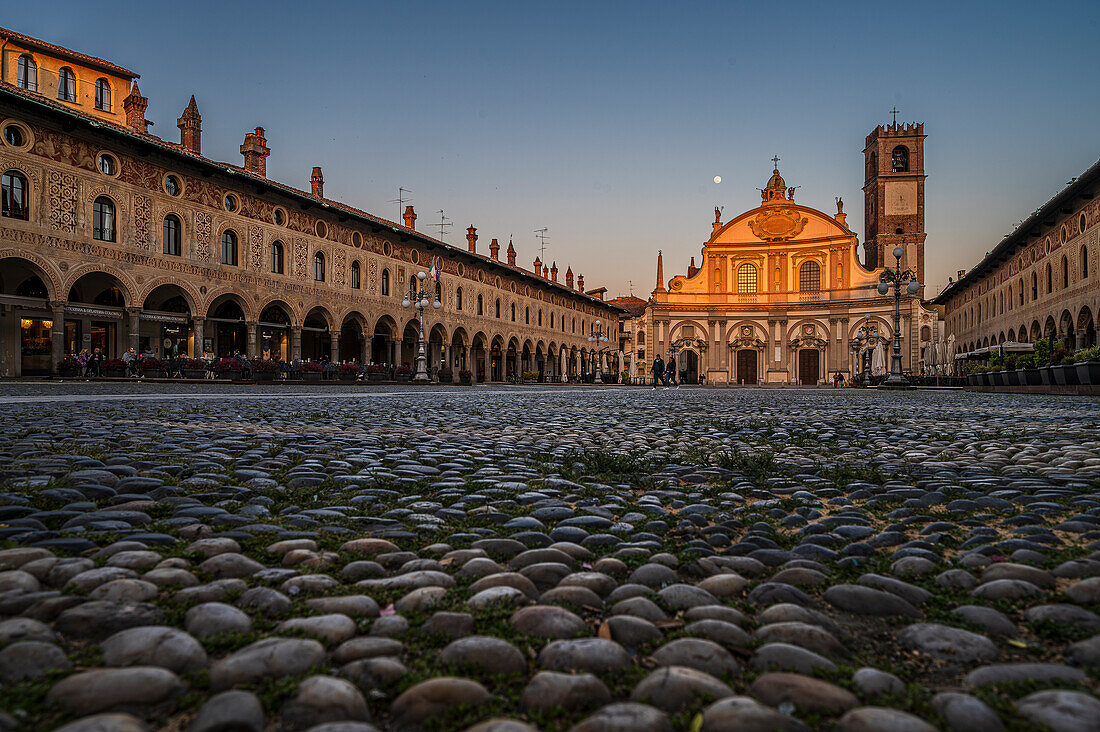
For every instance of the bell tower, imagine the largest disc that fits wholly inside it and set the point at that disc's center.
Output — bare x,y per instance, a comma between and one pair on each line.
893,196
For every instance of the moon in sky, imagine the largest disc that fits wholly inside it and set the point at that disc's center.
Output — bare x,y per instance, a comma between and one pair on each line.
717,179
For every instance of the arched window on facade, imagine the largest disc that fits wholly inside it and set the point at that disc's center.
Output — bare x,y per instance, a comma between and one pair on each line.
172,245
229,247
641,338
1020,294
498,307
66,85
356,275
103,95
1034,287
15,195
1050,279
1065,272
385,282
540,317
480,305
527,316
319,267
899,159
1084,261
28,73
809,277
276,257
746,278
103,219
458,299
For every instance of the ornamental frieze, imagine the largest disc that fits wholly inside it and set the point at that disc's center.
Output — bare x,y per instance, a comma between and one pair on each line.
777,224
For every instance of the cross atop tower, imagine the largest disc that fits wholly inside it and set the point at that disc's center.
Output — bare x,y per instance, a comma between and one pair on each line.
894,112
775,162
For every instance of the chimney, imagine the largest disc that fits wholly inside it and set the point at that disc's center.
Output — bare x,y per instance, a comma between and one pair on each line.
538,266
692,269
580,283
511,254
317,182
545,272
410,217
660,273
190,125
569,277
255,153
494,250
554,271
135,105
471,238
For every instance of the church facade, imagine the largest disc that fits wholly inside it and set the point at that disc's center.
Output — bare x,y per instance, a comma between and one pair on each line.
782,292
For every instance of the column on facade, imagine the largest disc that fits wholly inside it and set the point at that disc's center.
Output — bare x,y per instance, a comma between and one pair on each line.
842,344
723,354
197,325
468,358
391,349
364,349
251,328
295,343
334,347
134,322
563,368
57,334
769,355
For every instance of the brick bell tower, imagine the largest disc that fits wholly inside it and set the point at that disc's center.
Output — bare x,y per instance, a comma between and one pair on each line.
893,196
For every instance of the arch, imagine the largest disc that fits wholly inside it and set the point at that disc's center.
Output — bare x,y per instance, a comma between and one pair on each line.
356,278
215,299
1086,328
276,312
383,341
168,297
17,266
1012,335
459,337
899,159
352,340
116,277
318,327
225,324
319,316
385,286
1036,331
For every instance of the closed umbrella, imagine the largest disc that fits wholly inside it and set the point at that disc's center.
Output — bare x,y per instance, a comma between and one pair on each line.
878,360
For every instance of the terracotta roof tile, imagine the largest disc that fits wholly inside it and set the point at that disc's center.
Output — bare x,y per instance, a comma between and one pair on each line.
35,43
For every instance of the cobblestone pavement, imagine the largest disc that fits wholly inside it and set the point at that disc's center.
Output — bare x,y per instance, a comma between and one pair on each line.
214,557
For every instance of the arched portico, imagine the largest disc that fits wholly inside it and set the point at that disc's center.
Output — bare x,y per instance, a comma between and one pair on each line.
317,341
225,321
36,324
353,338
166,328
275,330
383,348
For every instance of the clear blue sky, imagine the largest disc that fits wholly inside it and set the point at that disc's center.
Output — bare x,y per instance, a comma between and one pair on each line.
607,121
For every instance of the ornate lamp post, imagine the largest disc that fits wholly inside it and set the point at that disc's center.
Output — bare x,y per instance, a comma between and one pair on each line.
897,278
865,339
597,334
417,297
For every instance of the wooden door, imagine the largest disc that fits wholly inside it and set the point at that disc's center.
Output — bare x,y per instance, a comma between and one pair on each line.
808,367
746,366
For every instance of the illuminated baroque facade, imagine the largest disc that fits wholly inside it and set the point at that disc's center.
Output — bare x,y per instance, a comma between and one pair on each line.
112,237
781,292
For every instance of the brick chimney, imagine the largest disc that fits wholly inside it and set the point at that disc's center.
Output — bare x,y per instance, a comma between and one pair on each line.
569,277
135,105
692,269
190,125
494,250
580,283
554,271
410,217
471,239
545,272
255,153
511,254
317,182
538,266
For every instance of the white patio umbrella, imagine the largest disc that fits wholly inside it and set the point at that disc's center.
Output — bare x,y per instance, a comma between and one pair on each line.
878,360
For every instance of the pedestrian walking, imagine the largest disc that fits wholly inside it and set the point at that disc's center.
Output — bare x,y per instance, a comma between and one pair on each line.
658,371
670,372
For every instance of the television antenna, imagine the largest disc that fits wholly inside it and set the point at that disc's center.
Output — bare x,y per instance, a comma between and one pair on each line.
401,200
542,236
443,224
630,286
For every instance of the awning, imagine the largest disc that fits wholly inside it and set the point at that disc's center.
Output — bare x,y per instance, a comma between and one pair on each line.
988,351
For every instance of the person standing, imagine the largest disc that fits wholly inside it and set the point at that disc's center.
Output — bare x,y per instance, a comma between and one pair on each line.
670,372
658,371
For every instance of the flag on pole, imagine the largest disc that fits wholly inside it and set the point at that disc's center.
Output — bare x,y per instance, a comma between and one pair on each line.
434,271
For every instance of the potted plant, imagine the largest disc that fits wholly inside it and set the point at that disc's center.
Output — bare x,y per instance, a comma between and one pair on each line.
262,369
446,375
228,368
348,371
1065,371
530,377
68,367
1028,373
1043,360
609,378
311,371
153,368
1088,365
376,372
465,376
114,368
193,368
403,373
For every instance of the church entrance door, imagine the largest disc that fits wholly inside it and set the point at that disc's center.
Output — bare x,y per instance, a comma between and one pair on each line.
808,367
746,366
688,367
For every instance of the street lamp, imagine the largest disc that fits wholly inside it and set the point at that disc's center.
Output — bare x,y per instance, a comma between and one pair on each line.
866,337
417,297
897,278
597,334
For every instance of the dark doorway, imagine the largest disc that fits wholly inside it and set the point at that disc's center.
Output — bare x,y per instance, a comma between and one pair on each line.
746,366
808,367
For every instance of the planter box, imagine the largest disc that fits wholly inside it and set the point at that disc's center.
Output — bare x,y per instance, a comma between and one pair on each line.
311,375
1046,375
381,376
1031,377
115,373
1088,372
347,377
1012,378
194,373
971,379
466,380
446,378
404,377
228,375
154,374
1065,374
996,378
68,373
263,375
